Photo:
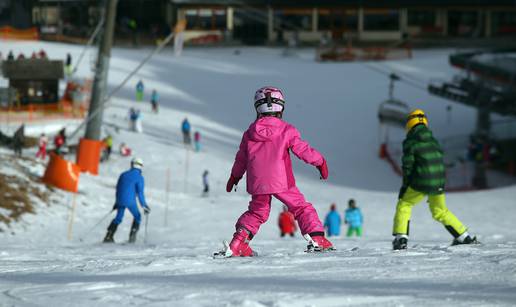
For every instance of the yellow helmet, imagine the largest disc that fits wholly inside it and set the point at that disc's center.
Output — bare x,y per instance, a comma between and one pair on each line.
416,117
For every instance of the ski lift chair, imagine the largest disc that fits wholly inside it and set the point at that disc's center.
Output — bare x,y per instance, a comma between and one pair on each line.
393,112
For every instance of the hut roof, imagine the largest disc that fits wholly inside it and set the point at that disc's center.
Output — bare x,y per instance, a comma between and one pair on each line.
33,69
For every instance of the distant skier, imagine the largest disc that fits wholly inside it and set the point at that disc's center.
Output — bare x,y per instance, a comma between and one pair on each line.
264,154
286,223
129,186
197,141
332,222
154,101
138,126
19,140
42,147
125,151
205,183
108,146
185,129
68,65
139,90
60,141
424,176
353,217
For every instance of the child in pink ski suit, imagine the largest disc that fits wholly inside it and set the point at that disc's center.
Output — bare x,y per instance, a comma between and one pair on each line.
264,154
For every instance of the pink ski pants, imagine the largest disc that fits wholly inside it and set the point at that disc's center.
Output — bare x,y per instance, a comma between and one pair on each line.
260,207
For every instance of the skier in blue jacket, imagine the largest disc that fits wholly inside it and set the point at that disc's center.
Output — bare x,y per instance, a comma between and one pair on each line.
332,222
129,186
353,217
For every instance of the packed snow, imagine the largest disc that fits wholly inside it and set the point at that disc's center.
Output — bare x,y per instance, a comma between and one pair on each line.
334,106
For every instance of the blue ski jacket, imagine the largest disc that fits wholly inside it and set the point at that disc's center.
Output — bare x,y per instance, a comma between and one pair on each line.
130,184
155,96
185,127
353,217
139,86
332,223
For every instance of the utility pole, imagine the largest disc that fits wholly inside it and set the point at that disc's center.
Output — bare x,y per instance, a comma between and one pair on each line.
95,113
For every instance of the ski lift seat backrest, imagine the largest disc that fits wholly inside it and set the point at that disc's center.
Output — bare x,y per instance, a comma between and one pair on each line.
393,112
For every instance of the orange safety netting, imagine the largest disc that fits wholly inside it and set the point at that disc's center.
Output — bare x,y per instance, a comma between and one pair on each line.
8,32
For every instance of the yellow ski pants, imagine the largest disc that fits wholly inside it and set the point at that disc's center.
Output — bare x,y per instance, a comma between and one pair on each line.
437,204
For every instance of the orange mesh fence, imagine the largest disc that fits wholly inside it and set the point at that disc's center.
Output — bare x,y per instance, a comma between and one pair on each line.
8,32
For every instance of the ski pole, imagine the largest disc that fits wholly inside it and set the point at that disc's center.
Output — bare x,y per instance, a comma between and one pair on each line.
94,226
146,223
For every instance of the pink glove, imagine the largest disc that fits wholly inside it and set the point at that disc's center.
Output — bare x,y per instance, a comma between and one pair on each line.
232,181
323,169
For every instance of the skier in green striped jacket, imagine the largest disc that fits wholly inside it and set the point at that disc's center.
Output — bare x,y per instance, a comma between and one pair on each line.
424,176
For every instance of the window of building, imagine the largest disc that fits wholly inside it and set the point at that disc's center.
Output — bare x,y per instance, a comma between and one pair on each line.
463,23
421,18
206,19
503,23
381,20
343,20
292,19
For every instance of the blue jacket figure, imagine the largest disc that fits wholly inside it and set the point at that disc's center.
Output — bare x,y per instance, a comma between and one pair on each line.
129,186
185,128
332,222
353,217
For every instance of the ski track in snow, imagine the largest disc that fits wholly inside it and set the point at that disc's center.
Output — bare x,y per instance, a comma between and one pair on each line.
39,267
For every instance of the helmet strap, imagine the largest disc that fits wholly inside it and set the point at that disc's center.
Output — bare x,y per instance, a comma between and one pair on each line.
269,99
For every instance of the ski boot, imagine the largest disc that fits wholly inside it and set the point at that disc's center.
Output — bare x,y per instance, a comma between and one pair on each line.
239,246
110,233
317,243
134,231
400,242
465,238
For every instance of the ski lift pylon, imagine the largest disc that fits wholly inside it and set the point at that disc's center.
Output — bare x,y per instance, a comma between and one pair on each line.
393,111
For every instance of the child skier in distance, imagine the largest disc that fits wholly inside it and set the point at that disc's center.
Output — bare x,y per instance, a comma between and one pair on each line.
332,222
353,217
286,223
264,154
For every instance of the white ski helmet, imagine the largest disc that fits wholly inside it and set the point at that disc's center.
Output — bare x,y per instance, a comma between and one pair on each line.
137,163
269,100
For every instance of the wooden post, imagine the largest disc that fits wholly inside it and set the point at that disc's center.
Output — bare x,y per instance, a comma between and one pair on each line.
167,196
72,216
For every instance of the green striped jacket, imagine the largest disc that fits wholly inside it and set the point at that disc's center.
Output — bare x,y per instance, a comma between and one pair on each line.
423,165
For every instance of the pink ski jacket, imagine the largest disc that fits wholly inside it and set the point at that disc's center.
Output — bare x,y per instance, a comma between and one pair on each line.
264,155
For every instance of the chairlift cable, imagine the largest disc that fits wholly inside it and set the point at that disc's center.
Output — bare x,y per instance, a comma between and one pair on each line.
90,42
105,102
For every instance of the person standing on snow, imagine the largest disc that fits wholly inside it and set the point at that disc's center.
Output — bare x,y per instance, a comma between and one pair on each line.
206,185
108,147
19,140
332,222
154,101
185,129
129,186
286,223
264,154
197,141
42,147
424,176
353,217
139,90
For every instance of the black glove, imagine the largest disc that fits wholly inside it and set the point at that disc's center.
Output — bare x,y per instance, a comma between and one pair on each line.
402,191
146,210
115,207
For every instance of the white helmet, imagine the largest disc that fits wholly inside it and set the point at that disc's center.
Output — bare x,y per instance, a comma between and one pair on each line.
137,163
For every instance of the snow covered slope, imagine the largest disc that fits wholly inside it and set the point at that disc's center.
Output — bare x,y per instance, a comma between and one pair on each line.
334,107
